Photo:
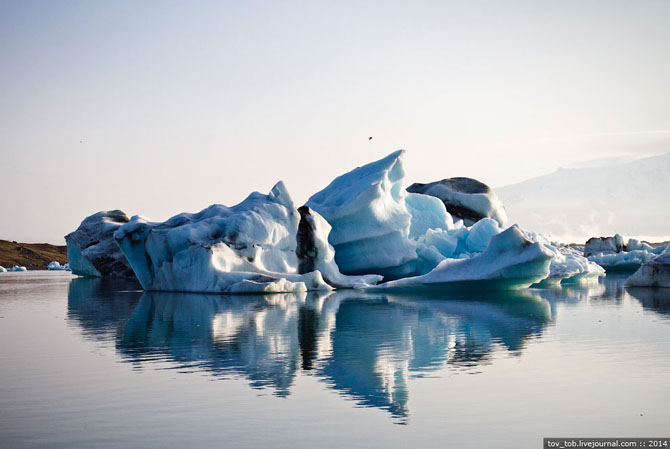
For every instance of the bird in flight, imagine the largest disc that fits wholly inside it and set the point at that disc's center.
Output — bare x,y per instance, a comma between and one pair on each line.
369,139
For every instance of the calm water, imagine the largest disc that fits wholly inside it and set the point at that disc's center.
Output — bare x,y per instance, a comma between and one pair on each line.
90,363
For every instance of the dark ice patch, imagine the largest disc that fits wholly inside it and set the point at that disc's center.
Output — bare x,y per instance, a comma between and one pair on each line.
306,241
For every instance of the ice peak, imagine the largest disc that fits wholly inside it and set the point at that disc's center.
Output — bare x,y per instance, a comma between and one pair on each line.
280,193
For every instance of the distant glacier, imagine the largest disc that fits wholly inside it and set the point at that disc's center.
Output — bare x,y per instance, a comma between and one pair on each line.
574,204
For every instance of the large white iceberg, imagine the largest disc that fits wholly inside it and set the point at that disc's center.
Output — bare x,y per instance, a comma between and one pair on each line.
380,228
465,198
510,261
263,244
92,250
654,273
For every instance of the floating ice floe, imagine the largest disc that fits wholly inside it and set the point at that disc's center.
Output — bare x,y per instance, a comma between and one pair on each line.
613,254
510,261
92,250
263,244
465,198
654,273
56,266
2,269
17,268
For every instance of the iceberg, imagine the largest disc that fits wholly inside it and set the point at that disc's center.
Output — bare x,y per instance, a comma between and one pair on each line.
568,265
379,227
56,266
370,220
465,198
261,245
510,261
480,234
613,254
654,273
3,269
16,268
596,245
92,250
623,261
427,213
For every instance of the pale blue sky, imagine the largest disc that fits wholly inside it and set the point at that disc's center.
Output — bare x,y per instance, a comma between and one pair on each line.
184,104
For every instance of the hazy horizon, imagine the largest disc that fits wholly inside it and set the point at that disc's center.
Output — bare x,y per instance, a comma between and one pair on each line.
159,108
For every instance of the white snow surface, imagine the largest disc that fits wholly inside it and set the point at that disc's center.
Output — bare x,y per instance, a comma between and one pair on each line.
654,273
509,262
249,247
92,250
571,205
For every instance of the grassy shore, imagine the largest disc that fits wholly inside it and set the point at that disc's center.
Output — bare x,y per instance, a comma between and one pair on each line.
33,256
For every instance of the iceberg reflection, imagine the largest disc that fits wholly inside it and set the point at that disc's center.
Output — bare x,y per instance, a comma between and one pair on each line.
100,306
655,299
367,347
379,344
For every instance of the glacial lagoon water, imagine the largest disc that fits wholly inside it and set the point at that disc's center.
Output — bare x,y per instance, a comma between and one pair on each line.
91,363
